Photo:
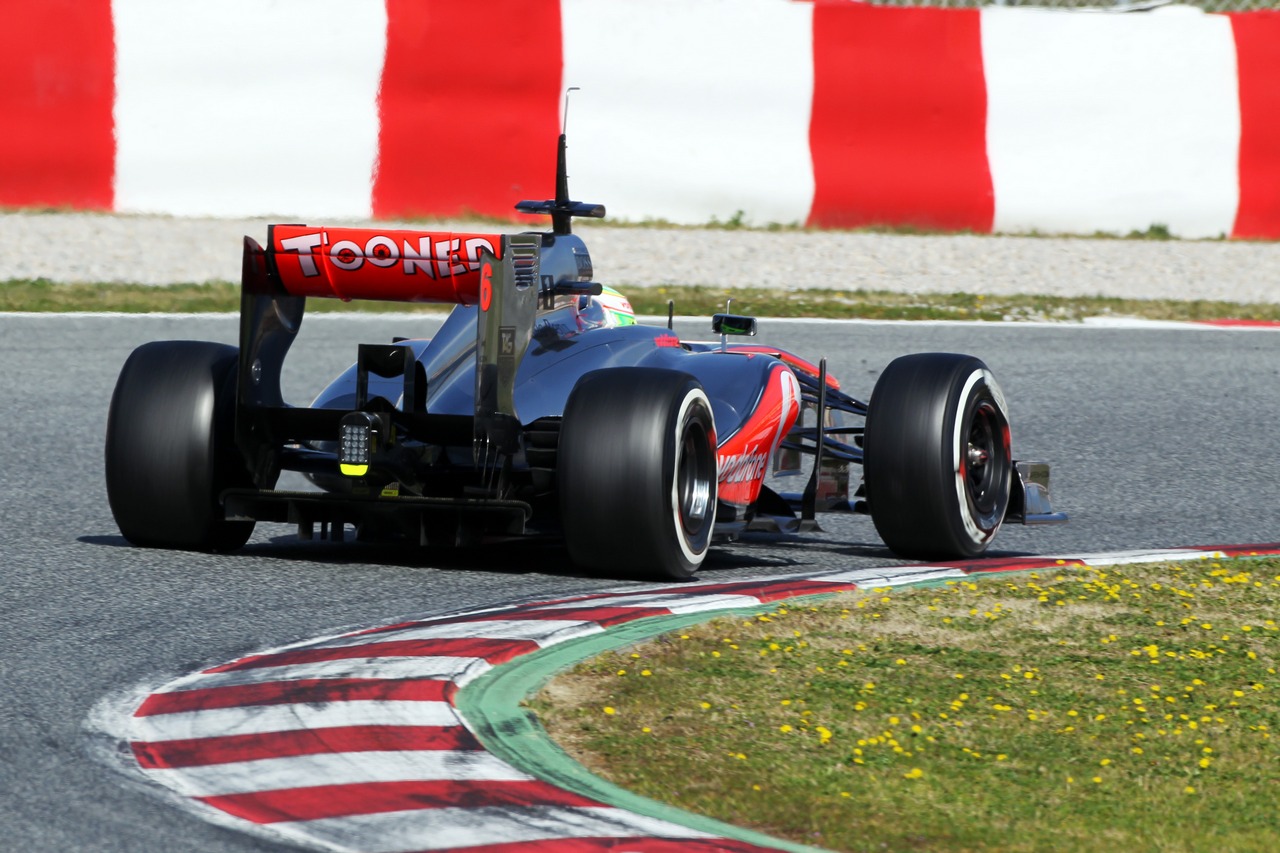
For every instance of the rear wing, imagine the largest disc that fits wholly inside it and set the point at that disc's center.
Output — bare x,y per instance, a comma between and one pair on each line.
499,273
365,263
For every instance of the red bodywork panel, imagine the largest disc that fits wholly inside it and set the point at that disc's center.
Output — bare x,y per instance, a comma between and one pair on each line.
793,361
377,263
744,456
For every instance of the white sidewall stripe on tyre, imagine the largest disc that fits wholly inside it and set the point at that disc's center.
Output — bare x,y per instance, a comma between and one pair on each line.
696,395
959,443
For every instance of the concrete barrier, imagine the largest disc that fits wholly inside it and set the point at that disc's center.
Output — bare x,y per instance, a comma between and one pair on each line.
826,113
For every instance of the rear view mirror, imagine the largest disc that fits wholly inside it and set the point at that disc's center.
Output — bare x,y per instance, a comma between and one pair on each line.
733,324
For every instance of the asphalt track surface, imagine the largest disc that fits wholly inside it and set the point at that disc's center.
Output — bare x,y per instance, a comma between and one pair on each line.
1158,438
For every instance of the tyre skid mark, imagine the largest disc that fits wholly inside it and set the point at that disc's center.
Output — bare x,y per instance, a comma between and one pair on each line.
354,742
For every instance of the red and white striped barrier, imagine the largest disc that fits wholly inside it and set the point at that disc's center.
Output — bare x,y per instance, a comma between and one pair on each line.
828,113
355,742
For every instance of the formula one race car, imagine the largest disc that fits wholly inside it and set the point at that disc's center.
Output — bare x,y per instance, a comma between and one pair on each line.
542,407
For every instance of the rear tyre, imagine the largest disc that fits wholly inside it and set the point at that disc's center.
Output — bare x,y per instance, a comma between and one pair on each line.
937,456
637,473
170,449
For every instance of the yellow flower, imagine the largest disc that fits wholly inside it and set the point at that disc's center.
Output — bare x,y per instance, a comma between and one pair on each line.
645,672
705,705
609,710
784,728
913,773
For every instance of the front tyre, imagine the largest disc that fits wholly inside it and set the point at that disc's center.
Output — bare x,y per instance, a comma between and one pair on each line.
637,473
170,448
937,456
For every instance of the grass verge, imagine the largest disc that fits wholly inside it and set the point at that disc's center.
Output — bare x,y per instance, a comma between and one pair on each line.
41,295
44,296
1090,709
887,305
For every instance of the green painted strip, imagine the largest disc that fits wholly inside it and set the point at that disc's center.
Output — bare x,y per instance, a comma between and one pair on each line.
491,705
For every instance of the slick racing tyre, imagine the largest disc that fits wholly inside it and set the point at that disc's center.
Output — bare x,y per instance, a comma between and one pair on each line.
937,457
170,447
637,473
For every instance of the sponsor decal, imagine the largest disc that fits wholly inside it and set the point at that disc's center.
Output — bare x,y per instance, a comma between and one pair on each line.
745,455
666,340
432,255
743,467
486,287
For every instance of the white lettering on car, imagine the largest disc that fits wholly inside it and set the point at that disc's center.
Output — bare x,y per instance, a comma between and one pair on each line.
419,259
346,255
381,251
303,244
474,245
441,258
742,467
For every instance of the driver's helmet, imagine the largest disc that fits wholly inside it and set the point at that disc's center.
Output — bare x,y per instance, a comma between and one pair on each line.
617,310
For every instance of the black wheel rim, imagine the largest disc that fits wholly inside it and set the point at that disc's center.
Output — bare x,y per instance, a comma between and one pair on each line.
986,458
694,472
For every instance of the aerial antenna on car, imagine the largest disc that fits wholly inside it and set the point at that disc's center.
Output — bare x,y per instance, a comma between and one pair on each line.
561,208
